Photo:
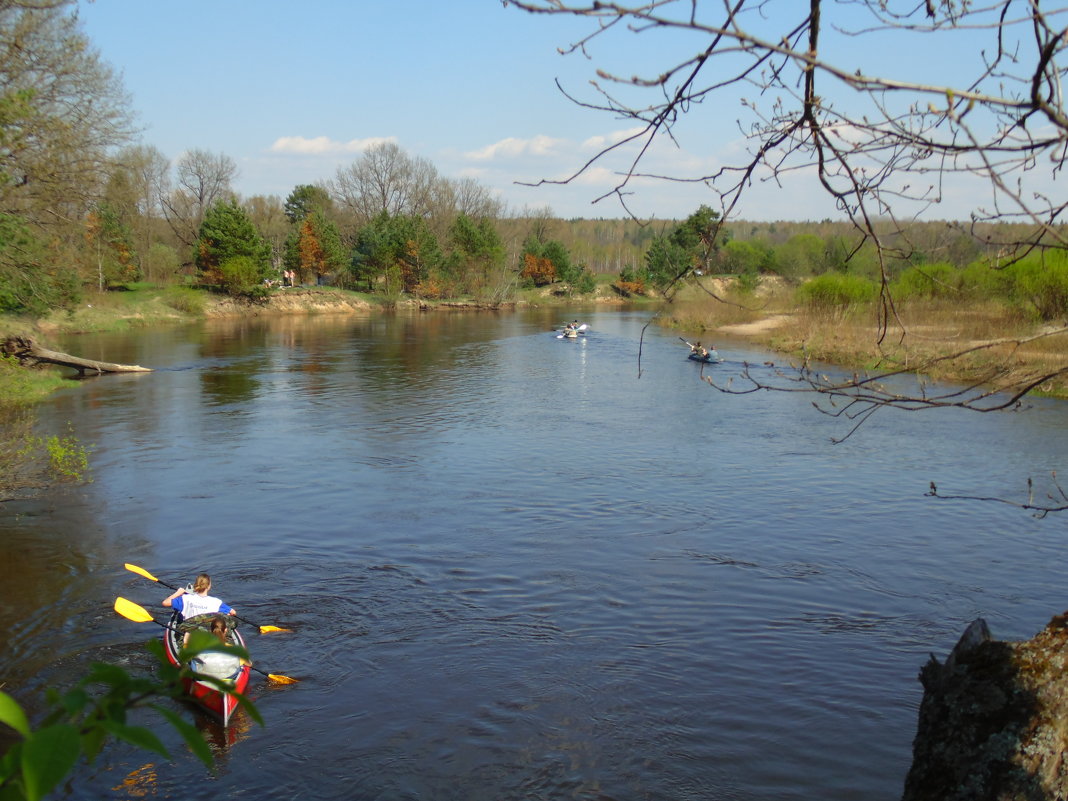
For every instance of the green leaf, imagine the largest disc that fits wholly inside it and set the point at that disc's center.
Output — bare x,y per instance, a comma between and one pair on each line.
47,757
11,714
108,674
191,736
137,735
9,764
74,701
92,741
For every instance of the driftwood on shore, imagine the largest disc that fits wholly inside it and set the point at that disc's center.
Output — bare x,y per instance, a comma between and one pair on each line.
29,353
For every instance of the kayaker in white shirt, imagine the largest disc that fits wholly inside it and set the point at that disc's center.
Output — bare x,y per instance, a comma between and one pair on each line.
197,602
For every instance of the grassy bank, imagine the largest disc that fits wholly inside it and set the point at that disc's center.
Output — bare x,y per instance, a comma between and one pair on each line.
926,335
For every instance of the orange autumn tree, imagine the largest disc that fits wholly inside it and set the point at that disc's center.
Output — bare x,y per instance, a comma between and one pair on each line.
316,248
538,270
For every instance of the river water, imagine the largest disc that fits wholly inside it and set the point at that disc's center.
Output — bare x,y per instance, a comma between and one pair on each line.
522,567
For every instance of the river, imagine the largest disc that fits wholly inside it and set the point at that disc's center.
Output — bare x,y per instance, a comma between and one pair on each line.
522,567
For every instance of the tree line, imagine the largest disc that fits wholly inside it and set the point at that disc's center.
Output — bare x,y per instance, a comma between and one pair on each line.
84,207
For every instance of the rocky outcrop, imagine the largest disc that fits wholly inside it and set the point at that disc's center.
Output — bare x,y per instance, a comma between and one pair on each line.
993,723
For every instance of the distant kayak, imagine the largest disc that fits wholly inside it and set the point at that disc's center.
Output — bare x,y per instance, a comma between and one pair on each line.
703,355
572,331
712,357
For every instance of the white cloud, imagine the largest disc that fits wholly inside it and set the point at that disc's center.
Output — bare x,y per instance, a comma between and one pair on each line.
600,142
324,145
512,147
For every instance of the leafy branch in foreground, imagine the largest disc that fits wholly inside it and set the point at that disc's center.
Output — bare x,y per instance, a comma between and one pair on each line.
80,721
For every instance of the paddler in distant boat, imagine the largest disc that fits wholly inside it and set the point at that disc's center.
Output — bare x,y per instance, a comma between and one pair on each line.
698,350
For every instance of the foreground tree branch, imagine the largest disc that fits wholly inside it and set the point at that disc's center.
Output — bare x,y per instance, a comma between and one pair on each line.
886,148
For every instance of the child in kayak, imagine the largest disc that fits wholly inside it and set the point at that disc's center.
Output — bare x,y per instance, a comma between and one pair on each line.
217,664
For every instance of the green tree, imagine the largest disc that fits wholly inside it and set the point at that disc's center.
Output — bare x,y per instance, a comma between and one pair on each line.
62,110
744,257
372,253
110,247
689,246
228,233
31,280
418,252
304,200
476,254
878,142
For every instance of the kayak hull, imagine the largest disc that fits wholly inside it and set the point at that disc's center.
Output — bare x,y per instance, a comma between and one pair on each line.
220,704
709,359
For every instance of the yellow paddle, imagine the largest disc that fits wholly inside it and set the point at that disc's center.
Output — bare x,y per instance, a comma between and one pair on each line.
137,613
142,572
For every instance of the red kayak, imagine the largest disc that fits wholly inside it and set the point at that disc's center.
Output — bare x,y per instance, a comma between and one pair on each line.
219,703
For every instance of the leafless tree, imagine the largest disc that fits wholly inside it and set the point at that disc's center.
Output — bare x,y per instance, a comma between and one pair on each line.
202,178
269,216
385,179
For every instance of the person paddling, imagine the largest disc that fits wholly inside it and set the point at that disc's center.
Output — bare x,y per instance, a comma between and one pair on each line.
197,602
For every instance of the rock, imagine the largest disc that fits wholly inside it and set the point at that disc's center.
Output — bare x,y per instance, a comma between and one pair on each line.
993,723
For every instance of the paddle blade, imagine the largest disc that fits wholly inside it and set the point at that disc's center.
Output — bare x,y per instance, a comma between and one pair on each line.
140,571
282,679
132,611
268,629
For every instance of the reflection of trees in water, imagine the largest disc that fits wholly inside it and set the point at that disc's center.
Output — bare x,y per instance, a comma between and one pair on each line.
230,385
53,609
20,466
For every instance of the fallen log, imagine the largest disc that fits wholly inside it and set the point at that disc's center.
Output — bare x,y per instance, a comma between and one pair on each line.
29,353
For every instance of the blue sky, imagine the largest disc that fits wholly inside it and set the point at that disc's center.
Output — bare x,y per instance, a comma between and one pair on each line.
291,91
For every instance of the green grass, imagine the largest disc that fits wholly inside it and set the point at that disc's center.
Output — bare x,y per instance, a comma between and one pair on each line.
20,386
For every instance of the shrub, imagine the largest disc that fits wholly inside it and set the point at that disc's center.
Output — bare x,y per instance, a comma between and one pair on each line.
185,299
240,275
982,281
926,281
67,457
1042,281
832,290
